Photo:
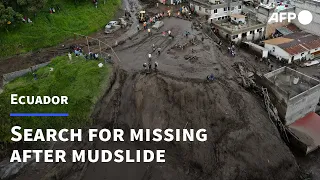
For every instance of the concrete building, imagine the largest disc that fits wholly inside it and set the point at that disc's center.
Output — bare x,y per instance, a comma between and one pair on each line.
171,2
249,30
314,7
264,13
296,95
216,9
294,46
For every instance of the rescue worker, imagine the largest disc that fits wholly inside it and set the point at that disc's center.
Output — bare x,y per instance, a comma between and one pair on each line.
150,67
159,51
145,66
156,66
153,47
271,68
210,77
149,32
149,58
70,56
144,25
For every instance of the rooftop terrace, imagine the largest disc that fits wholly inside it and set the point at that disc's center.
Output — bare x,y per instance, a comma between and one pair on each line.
291,82
233,28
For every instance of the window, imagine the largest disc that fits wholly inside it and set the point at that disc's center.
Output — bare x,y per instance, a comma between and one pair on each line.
215,11
219,18
273,49
239,7
228,8
302,54
225,9
251,32
234,36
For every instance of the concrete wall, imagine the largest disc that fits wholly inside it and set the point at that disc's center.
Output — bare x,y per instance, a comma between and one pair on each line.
253,35
223,12
260,50
314,8
277,96
277,51
302,104
11,76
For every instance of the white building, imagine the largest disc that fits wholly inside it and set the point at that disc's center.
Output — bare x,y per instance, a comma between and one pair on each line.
215,9
238,18
250,30
295,46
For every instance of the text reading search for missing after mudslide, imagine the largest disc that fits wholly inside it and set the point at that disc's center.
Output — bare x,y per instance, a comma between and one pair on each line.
90,135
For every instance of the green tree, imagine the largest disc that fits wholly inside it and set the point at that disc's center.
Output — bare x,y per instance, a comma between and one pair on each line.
8,16
32,5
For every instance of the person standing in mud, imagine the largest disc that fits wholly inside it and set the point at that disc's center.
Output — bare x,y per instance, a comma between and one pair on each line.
159,51
150,67
149,32
153,47
145,66
156,66
149,58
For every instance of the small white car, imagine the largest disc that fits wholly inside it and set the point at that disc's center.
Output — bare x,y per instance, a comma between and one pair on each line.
158,25
111,24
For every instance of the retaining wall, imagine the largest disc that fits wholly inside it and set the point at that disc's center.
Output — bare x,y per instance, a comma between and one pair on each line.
13,75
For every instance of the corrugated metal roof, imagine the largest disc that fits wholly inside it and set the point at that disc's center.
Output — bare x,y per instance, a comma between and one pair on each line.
307,129
296,43
277,41
292,27
284,30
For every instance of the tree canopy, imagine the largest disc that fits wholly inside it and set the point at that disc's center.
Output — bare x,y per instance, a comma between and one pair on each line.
32,5
8,16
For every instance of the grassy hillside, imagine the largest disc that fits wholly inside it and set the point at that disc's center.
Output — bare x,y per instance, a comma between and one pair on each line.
82,81
50,29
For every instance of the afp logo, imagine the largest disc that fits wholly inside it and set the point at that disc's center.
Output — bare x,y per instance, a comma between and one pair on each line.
304,17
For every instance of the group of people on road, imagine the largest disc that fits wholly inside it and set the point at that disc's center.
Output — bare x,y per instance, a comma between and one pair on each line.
152,20
148,66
